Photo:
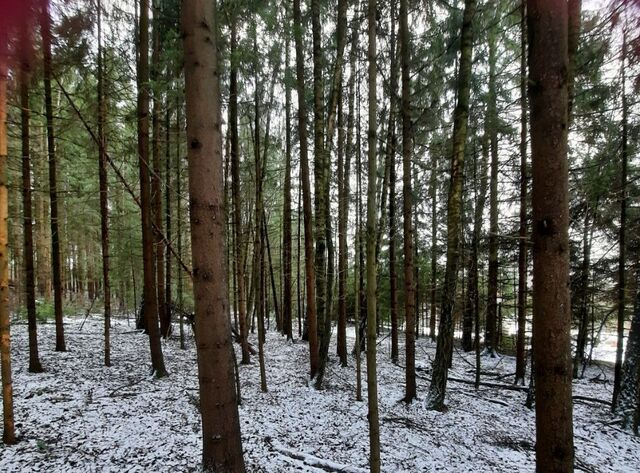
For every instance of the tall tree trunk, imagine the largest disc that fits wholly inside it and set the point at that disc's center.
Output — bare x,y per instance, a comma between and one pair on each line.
178,187
8,424
258,239
491,329
167,214
150,295
433,193
24,77
320,168
306,194
548,58
622,230
53,182
521,361
444,348
286,212
325,150
583,295
391,162
156,175
222,445
407,209
372,377
104,206
235,192
343,209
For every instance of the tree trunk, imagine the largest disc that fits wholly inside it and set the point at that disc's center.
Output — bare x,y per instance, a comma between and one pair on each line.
306,194
286,212
372,378
8,424
149,290
104,206
444,348
235,192
24,77
548,58
521,361
407,209
622,230
156,175
491,330
433,193
222,446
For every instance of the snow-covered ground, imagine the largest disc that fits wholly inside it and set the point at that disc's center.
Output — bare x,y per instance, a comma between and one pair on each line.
81,416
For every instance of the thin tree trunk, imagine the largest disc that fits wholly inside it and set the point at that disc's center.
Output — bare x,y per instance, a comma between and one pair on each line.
444,348
156,175
104,206
407,209
583,295
433,193
622,230
24,77
548,58
306,194
150,295
491,329
286,213
372,377
235,193
222,445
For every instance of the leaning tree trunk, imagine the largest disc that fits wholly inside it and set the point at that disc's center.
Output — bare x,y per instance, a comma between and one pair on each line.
548,59
8,424
372,377
150,295
444,348
222,446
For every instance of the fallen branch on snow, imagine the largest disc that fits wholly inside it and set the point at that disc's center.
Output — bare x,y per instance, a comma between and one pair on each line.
315,462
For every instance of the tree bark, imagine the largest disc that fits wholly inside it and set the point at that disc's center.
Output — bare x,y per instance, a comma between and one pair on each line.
286,213
104,206
407,209
8,424
306,194
521,361
548,58
24,78
372,378
444,348
149,290
222,446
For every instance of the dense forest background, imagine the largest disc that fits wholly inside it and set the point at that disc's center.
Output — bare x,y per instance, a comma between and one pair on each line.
323,169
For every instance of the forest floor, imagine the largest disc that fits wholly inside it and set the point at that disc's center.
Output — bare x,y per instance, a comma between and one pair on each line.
81,416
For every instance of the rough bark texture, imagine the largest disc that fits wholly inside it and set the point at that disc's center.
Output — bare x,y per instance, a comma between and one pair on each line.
149,290
8,425
306,194
235,194
222,447
104,207
372,378
156,178
548,58
407,207
444,348
286,212
624,158
629,398
491,329
24,77
521,360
